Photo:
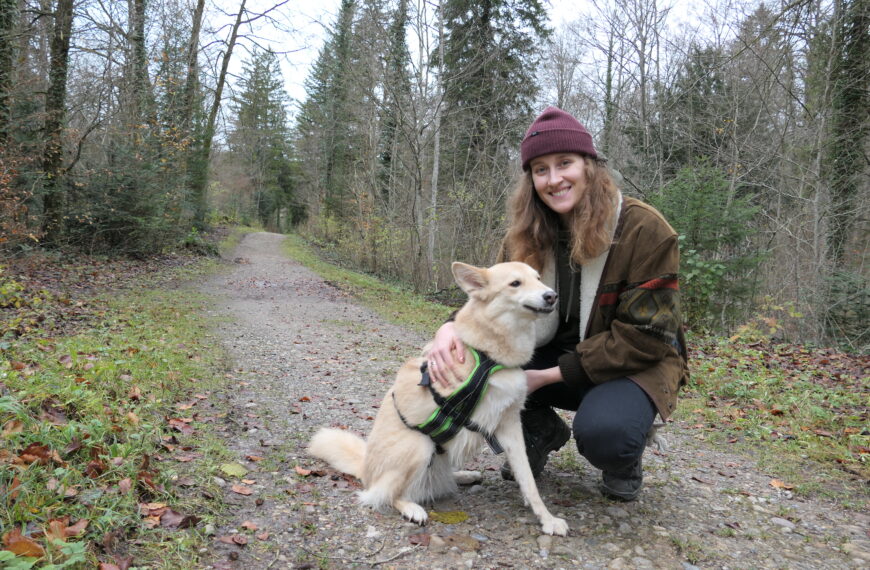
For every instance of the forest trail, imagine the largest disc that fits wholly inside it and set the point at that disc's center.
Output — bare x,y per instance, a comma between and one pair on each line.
306,355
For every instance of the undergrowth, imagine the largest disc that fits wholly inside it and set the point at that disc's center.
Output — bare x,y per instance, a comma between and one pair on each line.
90,423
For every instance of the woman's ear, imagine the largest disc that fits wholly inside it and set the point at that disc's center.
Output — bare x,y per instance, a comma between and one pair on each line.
468,277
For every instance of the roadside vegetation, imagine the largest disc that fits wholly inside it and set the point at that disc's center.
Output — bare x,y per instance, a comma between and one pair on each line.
106,372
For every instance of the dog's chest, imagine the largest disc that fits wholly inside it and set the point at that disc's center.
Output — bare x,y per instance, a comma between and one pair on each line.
506,389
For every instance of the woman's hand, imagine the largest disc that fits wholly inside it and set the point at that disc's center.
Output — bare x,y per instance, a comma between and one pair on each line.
536,379
442,364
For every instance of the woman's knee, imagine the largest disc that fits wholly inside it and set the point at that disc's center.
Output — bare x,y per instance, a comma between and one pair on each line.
608,445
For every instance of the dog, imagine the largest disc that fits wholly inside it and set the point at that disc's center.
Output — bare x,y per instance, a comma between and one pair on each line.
406,461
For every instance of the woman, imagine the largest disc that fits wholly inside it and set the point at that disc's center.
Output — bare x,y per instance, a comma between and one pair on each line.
615,351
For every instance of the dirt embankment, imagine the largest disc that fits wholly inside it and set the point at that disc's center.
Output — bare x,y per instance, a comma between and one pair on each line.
306,355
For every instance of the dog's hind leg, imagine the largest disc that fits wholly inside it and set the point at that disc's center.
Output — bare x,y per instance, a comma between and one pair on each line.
401,484
467,477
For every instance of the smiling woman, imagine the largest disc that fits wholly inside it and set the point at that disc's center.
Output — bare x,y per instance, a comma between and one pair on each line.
618,355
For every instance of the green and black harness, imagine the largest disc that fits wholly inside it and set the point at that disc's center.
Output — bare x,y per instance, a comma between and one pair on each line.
454,411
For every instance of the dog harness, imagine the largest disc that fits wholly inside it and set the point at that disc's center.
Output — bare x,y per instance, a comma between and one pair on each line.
454,411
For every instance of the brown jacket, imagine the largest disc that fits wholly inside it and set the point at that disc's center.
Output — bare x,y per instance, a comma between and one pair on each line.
635,328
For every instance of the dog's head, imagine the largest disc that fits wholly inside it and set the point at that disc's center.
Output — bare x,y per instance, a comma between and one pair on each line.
513,287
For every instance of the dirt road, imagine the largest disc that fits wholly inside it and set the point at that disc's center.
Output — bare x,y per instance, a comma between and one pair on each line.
306,355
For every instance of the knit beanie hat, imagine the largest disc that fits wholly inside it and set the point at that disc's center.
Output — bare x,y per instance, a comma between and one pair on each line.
555,131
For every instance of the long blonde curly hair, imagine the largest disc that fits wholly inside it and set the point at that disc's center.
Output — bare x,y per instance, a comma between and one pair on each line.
534,227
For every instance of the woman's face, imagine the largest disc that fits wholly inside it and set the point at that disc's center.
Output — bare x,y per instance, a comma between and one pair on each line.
560,181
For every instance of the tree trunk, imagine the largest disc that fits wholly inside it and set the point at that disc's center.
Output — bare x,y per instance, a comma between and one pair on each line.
191,81
199,176
141,98
8,19
52,158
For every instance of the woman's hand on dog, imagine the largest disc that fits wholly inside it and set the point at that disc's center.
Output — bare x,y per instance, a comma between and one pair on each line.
445,346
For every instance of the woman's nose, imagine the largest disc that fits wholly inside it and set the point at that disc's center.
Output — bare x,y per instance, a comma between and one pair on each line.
553,177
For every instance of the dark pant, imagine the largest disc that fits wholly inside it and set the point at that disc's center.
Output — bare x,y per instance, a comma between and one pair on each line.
612,419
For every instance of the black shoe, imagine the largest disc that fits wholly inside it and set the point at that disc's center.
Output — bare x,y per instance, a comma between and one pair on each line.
543,431
623,485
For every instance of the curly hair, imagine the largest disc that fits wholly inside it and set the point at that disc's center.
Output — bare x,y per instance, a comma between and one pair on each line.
533,227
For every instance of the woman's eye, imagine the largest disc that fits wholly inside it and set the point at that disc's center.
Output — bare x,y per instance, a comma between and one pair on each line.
516,283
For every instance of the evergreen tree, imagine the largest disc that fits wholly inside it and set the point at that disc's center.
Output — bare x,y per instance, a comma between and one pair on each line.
491,52
259,135
322,134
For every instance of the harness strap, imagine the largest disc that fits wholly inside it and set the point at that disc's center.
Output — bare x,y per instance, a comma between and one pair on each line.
454,411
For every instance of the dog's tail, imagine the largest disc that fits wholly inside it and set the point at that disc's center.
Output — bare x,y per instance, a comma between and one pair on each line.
343,450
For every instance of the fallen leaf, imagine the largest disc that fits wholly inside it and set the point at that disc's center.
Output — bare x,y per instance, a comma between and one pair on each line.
21,545
262,536
248,525
234,470
254,458
12,427
449,517
421,539
242,490
302,471
173,519
66,361
776,483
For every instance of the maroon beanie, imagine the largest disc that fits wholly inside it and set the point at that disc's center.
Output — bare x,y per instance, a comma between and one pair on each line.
555,131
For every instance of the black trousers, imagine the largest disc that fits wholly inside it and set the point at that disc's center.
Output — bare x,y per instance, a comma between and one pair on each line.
612,419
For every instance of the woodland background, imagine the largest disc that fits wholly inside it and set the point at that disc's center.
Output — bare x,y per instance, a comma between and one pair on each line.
122,132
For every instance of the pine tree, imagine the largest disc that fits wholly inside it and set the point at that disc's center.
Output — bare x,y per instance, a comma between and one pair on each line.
259,134
491,51
322,133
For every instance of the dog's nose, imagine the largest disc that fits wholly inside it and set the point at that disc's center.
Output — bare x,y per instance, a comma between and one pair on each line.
550,297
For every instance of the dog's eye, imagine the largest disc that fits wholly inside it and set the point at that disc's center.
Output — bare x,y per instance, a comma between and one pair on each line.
516,283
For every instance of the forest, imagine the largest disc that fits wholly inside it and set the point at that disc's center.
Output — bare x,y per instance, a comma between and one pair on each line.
126,128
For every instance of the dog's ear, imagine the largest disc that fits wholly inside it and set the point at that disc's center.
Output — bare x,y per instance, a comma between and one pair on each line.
468,277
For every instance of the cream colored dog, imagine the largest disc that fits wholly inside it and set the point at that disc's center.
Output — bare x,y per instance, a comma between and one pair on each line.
400,465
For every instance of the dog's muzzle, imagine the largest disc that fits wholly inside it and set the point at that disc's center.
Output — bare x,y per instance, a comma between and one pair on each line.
549,299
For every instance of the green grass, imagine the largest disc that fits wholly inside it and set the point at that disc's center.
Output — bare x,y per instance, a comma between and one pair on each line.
800,413
395,303
85,432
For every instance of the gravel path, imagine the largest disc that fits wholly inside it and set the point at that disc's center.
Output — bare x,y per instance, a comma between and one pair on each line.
306,355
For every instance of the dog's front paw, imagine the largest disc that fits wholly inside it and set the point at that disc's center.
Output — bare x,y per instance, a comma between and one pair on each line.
554,525
415,513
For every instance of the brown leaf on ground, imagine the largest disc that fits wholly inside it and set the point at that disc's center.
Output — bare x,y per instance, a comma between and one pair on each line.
421,539
182,426
248,525
777,484
21,545
60,529
125,485
12,427
39,454
173,519
95,468
242,490
234,539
